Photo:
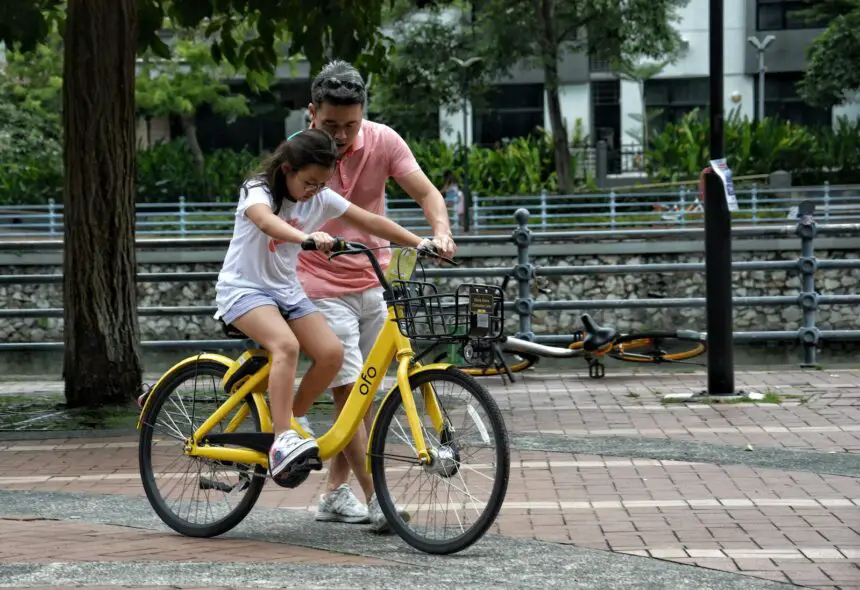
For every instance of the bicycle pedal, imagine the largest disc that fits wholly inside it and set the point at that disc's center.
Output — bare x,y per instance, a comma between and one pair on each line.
298,472
312,463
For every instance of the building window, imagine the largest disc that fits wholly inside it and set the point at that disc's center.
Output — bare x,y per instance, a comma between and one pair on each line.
508,111
782,100
780,15
674,98
599,63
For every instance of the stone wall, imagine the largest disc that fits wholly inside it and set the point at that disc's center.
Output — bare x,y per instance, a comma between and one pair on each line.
624,286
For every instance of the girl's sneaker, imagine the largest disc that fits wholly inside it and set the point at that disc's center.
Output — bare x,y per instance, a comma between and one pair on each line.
288,448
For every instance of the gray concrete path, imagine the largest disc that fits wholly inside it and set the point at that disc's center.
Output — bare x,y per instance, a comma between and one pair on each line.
610,488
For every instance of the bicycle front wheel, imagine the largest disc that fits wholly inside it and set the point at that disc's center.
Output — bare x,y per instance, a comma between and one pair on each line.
469,468
659,347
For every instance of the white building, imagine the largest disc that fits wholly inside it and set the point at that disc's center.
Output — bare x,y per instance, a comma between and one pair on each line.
604,104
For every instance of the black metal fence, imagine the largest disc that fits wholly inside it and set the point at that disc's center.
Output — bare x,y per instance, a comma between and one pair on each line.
523,271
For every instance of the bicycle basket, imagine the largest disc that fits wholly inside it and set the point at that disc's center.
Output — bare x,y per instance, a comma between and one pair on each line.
471,312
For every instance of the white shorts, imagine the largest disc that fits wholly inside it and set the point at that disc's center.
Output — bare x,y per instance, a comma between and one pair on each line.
356,319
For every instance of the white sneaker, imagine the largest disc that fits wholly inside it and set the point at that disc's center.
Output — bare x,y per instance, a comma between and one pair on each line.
288,447
378,522
341,505
304,423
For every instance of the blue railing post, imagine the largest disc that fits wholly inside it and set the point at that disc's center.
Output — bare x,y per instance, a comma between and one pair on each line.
52,217
808,334
826,202
523,273
682,206
476,207
543,209
612,209
182,216
754,203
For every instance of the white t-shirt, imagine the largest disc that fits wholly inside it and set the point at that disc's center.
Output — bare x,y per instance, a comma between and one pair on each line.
255,262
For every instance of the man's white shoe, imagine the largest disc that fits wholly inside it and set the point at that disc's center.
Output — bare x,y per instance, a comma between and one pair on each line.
305,423
341,505
378,522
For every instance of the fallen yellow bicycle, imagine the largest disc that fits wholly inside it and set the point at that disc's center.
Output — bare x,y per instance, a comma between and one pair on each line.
509,355
436,422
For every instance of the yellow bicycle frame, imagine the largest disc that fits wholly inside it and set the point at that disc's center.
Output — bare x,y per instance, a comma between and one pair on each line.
390,344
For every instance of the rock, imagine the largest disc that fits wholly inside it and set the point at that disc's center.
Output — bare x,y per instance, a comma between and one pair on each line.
831,284
792,315
630,286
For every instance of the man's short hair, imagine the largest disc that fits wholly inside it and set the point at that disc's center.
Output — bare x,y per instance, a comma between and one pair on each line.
338,83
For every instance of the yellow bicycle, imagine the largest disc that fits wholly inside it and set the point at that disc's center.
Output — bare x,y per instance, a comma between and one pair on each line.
423,425
512,355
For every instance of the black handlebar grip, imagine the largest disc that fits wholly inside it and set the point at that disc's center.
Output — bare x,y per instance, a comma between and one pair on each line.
339,245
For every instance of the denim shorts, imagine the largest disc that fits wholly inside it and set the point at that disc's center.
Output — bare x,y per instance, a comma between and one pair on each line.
246,303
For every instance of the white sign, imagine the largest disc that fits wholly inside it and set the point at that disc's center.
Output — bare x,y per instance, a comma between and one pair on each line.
725,173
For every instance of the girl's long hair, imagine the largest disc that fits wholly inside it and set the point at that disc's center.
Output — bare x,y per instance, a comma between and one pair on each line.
311,146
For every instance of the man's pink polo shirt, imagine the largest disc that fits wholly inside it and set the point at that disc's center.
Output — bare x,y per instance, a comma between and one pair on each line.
377,154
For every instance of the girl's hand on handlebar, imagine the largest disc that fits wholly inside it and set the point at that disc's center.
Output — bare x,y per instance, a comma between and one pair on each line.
427,245
323,241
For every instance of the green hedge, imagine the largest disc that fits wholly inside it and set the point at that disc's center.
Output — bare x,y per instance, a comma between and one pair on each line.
167,171
830,154
32,161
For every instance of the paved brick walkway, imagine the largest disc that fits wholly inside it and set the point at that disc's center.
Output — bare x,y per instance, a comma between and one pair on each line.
34,540
622,489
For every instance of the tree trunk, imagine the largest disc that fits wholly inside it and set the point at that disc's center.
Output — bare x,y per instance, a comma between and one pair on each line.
549,54
101,359
189,127
559,140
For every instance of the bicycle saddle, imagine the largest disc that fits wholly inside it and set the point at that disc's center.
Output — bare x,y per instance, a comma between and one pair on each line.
231,331
596,336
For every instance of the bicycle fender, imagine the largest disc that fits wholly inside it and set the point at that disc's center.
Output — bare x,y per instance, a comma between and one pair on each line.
218,358
396,391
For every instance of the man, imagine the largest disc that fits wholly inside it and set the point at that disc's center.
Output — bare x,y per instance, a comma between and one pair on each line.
345,289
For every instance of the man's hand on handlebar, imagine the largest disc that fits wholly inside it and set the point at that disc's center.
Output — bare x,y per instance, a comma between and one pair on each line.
445,245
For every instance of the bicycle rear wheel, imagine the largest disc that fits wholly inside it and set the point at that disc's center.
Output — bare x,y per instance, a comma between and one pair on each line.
470,463
517,363
659,347
195,496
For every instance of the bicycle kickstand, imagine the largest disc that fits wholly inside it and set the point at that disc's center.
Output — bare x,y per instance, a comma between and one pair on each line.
501,362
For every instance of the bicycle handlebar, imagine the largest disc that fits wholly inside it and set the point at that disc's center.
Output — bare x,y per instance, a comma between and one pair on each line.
342,247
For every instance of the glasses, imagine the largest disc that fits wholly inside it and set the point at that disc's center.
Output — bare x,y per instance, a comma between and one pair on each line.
313,187
333,84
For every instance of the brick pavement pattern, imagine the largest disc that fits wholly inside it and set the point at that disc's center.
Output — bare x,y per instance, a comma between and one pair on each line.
796,526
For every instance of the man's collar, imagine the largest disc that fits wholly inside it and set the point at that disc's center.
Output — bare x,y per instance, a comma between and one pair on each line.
358,143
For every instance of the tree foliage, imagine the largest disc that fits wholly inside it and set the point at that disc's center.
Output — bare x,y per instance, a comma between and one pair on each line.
30,148
422,76
101,39
541,31
832,76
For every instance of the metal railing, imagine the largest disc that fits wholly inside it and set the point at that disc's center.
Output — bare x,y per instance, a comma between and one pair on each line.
523,271
612,210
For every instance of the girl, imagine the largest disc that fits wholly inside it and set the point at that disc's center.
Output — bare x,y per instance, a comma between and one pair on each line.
280,207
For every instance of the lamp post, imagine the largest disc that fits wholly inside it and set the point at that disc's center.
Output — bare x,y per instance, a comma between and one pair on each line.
467,193
761,47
